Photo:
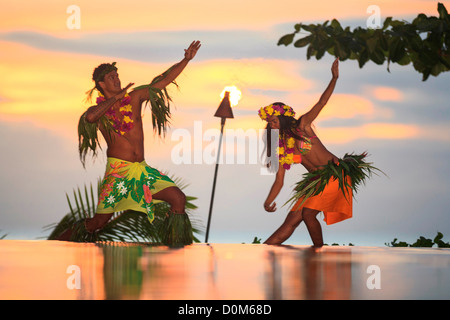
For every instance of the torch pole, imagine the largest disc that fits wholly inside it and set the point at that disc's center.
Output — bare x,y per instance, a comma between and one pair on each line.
222,124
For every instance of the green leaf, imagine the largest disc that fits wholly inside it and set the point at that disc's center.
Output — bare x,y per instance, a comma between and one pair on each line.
425,42
363,58
303,41
443,14
438,237
372,44
377,56
387,23
287,39
336,25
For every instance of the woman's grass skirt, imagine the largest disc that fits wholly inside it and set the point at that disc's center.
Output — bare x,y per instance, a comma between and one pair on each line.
331,188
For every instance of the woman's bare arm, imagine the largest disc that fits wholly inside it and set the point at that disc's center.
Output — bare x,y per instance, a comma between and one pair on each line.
269,204
311,115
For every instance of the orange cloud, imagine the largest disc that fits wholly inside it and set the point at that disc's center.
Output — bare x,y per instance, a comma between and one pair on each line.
390,131
256,78
386,94
101,15
48,88
347,106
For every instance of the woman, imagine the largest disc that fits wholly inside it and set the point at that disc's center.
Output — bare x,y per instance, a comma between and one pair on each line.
298,143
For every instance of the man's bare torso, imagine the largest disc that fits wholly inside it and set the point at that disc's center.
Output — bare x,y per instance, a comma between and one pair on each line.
130,146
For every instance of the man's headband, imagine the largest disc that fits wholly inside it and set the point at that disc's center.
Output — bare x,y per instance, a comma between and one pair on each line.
108,68
100,77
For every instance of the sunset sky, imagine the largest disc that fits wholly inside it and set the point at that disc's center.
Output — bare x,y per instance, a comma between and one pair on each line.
46,66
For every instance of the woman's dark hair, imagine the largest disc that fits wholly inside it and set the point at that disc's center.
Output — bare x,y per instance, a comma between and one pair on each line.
287,129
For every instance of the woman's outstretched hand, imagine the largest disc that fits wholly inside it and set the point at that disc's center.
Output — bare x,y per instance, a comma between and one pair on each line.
335,68
270,207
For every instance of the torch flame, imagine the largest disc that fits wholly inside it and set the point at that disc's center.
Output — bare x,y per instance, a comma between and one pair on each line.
235,95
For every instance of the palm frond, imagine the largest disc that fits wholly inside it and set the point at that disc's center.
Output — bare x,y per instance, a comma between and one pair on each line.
3,236
176,230
159,101
88,140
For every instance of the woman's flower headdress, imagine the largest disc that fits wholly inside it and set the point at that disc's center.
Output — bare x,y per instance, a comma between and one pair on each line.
276,109
285,144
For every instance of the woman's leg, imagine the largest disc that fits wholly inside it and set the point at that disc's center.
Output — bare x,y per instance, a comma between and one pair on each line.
313,226
293,219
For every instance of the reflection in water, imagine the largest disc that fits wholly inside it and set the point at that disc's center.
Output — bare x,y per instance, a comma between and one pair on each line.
219,272
39,270
309,274
156,273
122,273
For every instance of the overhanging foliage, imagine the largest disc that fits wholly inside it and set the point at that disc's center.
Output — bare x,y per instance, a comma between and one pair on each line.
424,42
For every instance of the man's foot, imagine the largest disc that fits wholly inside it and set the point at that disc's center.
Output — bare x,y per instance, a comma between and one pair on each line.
65,236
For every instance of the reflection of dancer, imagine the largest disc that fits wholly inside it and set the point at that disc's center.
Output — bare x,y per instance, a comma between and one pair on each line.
299,144
129,183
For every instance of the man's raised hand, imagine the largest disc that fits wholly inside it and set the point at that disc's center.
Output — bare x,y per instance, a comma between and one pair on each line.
190,52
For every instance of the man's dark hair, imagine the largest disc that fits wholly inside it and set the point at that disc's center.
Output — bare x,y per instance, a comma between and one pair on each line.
100,72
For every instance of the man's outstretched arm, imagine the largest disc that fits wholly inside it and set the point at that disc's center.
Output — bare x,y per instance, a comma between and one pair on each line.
174,72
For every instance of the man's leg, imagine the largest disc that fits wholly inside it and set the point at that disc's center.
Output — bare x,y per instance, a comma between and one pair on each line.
92,224
176,229
97,222
174,197
293,219
313,226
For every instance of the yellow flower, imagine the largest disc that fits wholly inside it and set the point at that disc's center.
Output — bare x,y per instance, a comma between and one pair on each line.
270,110
290,142
280,150
127,108
263,113
127,119
289,158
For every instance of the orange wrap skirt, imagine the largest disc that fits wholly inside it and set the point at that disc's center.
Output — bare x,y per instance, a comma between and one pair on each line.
335,206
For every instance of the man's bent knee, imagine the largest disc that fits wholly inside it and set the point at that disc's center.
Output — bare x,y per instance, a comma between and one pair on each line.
98,221
177,201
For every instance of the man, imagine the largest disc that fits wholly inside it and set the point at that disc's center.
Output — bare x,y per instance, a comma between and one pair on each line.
129,183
